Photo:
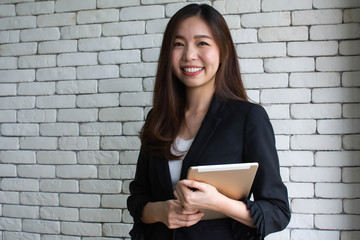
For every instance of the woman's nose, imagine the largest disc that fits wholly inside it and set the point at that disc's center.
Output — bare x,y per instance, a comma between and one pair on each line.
190,53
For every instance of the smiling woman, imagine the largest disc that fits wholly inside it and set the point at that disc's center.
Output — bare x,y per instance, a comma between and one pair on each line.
201,116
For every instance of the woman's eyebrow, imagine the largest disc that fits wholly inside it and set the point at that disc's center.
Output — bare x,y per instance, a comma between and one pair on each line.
196,36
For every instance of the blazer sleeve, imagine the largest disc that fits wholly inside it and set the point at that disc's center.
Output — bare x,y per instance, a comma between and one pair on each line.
270,208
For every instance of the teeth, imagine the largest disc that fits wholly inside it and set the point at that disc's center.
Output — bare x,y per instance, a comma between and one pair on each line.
192,70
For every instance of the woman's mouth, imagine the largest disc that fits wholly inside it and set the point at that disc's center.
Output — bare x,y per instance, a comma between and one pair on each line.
192,71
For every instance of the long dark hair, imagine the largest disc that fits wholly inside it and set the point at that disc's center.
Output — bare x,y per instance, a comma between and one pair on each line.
165,119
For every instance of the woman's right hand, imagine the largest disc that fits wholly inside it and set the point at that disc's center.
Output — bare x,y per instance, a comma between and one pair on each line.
171,213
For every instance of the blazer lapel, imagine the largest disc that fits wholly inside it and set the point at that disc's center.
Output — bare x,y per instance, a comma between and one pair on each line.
206,131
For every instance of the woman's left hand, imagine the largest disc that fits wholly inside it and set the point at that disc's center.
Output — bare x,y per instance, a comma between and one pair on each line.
204,196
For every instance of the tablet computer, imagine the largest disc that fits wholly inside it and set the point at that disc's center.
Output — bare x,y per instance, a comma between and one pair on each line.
232,180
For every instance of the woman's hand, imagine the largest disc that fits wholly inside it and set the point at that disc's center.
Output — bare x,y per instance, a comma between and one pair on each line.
171,213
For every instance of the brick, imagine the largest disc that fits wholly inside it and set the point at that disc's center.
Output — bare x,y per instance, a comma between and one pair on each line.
61,73
37,61
20,129
81,31
319,48
349,47
315,142
156,26
21,235
348,222
351,206
123,28
251,65
77,115
80,200
79,143
337,190
244,35
39,116
61,186
8,116
314,79
39,199
59,213
120,143
7,11
276,34
304,221
118,172
259,81
95,129
316,206
17,76
151,54
98,16
335,95
337,158
350,79
117,229
76,171
148,84
350,235
138,69
18,22
315,234
279,111
351,15
18,157
351,175
56,20
114,201
115,3
54,101
335,4
59,129
99,44
8,170
294,126
81,229
340,31
121,85
8,90
282,5
256,20
351,110
239,6
136,99
141,41
261,50
12,184
339,126
352,142
300,190
36,88
9,36
289,64
233,21
317,17
9,198
77,59
315,111
76,87
315,174
254,95
55,157
69,5
117,57
285,95
17,102
18,211
141,13
9,143
296,158
38,143
132,128
127,218
98,157
338,63
36,8
100,186
95,72
18,49
10,224
98,100
8,62
62,46
100,215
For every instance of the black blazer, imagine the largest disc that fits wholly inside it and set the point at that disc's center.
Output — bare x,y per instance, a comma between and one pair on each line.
231,132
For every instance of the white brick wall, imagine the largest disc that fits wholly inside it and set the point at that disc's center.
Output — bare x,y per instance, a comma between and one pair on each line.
76,80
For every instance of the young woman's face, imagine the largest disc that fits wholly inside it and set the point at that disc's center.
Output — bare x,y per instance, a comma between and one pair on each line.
195,56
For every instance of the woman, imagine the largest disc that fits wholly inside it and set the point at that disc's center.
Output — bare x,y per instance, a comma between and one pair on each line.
201,116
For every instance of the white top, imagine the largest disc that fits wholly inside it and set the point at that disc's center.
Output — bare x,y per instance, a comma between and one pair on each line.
180,147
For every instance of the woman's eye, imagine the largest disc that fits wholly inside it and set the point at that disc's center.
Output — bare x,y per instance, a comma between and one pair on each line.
178,44
203,43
